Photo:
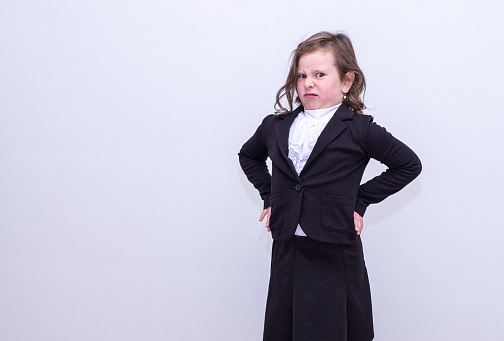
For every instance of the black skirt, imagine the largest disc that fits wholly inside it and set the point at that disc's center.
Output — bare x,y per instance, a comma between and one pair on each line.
318,292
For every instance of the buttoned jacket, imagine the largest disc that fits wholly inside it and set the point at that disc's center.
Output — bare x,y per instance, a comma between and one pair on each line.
324,196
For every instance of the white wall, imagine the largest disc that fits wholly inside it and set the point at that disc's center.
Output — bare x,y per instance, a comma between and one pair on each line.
124,214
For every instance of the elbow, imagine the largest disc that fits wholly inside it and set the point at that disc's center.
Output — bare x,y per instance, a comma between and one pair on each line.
412,170
417,168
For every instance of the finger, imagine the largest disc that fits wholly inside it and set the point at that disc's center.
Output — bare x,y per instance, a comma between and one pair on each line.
358,230
358,221
268,219
263,213
358,226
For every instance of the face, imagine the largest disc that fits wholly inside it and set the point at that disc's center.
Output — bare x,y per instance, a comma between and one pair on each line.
319,85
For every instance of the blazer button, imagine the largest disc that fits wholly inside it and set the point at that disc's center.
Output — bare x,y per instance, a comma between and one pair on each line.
298,187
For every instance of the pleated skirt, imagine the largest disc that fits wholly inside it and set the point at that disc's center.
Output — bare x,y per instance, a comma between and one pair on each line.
318,292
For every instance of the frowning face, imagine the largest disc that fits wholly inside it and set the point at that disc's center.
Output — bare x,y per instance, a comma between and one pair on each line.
319,85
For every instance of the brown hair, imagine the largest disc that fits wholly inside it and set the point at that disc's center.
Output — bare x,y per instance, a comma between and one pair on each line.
342,48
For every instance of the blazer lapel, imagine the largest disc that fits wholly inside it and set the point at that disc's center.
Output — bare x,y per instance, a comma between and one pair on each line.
282,135
332,130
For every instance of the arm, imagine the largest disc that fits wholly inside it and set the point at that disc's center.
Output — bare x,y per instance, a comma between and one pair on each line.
403,166
252,157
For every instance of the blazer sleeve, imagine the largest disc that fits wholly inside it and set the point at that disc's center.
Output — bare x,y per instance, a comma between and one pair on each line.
403,166
252,157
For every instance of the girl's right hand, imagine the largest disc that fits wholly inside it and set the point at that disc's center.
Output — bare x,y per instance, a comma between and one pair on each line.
266,213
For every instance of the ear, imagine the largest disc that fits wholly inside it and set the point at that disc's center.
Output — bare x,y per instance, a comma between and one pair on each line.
347,82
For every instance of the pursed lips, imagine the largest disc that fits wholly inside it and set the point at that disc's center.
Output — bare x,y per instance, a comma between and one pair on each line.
310,95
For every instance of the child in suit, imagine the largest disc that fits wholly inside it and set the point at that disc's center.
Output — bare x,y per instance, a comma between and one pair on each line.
313,200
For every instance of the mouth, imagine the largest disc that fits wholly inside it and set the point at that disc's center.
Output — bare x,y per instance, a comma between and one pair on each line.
310,95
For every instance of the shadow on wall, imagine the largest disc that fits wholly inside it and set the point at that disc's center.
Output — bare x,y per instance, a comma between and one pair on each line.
263,237
391,205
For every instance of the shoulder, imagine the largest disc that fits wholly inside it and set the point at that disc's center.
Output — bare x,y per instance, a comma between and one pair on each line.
351,117
269,119
268,123
357,124
278,117
361,119
272,120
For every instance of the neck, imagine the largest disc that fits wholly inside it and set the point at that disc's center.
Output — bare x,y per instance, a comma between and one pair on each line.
319,113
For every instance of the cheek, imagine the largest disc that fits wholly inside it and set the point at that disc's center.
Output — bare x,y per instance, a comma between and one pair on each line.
299,85
332,88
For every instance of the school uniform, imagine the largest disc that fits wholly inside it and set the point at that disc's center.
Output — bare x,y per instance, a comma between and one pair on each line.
319,288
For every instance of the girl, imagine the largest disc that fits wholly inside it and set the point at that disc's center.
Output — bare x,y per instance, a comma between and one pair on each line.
313,200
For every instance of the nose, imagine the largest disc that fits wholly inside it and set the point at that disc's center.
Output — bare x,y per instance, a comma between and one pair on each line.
308,83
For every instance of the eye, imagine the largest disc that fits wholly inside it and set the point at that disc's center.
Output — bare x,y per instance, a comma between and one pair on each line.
319,75
301,76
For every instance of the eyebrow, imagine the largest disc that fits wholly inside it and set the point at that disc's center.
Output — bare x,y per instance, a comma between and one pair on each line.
314,71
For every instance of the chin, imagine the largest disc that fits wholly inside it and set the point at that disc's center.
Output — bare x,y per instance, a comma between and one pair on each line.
314,107
311,106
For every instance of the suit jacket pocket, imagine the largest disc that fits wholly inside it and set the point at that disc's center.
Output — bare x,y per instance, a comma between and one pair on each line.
276,218
336,213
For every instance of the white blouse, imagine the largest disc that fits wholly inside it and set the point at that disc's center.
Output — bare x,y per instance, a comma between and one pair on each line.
303,135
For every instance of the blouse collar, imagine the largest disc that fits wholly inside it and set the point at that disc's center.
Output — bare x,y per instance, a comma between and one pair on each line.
320,113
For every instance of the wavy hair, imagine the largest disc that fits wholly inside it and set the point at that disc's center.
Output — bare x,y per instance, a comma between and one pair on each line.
345,61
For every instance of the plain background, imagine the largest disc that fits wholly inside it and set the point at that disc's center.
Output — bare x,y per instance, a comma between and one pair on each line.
124,213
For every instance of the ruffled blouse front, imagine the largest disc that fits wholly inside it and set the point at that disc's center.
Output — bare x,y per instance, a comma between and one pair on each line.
304,133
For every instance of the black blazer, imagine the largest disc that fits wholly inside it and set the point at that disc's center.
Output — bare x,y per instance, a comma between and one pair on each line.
327,192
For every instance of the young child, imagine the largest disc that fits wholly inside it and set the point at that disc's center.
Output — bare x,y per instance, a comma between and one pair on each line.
313,200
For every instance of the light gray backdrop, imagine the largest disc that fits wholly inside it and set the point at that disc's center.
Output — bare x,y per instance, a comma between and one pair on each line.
124,214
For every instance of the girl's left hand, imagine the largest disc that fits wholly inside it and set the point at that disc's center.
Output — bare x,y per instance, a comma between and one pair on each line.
359,223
